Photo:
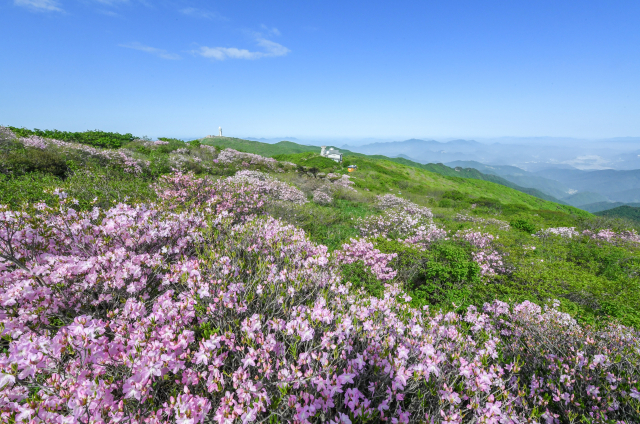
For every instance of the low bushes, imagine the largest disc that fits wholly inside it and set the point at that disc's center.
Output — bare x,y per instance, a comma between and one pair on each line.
195,310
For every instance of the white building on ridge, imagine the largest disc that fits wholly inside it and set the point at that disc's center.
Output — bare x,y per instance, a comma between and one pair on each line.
331,154
212,136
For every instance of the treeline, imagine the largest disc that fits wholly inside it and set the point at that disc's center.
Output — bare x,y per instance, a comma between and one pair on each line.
95,138
627,212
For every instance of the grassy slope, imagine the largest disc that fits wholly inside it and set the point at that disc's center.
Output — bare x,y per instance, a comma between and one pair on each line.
627,212
422,181
381,174
263,149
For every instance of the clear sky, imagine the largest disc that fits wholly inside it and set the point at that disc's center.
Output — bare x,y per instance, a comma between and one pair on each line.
323,68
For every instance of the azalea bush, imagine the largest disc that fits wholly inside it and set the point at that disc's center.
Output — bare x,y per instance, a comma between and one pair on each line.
107,156
485,254
502,225
198,309
322,197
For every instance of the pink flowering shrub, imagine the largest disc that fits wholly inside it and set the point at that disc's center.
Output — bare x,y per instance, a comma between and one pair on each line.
400,222
485,255
609,236
110,156
221,197
322,197
263,183
6,133
564,232
390,201
344,182
400,218
242,195
424,235
569,371
604,235
231,156
373,259
502,225
35,142
174,313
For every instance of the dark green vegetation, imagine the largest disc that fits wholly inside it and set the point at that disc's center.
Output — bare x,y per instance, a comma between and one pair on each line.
628,212
596,281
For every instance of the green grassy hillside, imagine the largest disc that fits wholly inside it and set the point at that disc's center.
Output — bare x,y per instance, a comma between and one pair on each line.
626,212
263,149
286,150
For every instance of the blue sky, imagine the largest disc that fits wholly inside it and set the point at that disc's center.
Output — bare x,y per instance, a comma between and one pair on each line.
323,68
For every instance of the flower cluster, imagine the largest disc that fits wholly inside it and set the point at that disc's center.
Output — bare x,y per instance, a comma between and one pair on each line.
265,184
222,197
569,370
408,221
502,225
612,237
564,232
390,201
322,197
150,315
119,157
160,142
489,260
425,235
344,182
362,250
231,156
604,235
6,133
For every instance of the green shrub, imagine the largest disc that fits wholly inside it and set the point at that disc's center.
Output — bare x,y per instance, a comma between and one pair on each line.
447,276
515,209
28,188
524,225
362,278
107,186
445,203
488,203
454,195
27,160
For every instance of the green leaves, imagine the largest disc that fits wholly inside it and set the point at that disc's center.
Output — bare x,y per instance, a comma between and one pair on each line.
524,225
447,275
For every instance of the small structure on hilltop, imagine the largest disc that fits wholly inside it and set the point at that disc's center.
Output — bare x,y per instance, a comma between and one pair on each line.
213,136
331,154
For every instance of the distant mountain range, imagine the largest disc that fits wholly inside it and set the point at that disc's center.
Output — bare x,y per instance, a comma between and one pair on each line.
593,191
271,140
530,154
